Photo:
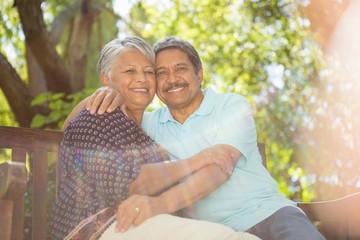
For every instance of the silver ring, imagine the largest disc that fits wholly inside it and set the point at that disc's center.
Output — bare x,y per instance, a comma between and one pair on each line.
137,210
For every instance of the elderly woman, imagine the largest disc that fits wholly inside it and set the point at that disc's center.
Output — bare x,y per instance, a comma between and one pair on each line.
106,158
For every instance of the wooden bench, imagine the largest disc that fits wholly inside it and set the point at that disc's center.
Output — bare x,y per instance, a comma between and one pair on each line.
34,144
337,219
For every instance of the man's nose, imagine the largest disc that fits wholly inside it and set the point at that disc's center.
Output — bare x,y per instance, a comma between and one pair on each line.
172,77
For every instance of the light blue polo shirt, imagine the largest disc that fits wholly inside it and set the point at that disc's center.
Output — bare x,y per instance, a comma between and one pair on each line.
250,195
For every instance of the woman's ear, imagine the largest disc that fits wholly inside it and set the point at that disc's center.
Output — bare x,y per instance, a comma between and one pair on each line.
104,80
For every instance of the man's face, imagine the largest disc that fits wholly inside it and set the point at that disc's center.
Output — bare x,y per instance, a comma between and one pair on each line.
177,83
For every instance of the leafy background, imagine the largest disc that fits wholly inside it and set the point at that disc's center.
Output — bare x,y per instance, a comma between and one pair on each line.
271,52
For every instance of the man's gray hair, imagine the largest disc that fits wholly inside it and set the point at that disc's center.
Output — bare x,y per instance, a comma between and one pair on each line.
182,45
112,49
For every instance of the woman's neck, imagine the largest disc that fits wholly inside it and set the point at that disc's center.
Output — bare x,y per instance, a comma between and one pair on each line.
135,115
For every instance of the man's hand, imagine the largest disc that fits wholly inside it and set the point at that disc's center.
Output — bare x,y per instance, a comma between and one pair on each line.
135,210
223,155
105,99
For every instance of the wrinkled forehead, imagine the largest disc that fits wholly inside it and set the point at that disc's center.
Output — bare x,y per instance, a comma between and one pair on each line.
171,57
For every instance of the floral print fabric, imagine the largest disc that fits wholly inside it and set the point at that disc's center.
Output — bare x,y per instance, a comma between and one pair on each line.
100,155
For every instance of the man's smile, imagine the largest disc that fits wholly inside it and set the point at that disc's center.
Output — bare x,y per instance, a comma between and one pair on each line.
175,87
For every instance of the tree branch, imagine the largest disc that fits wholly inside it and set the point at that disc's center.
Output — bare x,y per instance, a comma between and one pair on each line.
17,93
61,19
38,39
79,43
37,80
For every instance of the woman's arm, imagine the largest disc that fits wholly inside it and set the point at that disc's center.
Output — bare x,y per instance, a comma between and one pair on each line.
156,177
184,194
138,208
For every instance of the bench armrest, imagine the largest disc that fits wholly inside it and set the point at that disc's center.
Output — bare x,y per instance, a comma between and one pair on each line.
13,180
336,217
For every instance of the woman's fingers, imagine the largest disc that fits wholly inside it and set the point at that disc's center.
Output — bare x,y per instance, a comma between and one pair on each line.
125,217
135,210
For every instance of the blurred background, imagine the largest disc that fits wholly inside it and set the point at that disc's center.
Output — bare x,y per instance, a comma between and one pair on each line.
296,61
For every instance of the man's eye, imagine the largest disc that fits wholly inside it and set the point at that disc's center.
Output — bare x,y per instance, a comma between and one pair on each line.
149,72
180,69
130,70
159,73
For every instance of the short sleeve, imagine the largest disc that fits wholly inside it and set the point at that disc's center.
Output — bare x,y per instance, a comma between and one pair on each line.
236,125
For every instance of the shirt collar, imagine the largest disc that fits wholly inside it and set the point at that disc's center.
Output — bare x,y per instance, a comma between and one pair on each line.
205,108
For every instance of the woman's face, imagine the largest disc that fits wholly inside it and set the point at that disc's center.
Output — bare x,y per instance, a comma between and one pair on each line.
133,75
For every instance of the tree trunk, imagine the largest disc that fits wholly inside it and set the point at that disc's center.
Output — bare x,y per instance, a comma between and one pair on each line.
38,39
80,39
37,81
61,19
17,93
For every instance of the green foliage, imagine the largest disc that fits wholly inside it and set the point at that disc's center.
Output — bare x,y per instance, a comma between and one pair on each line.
6,116
60,107
6,119
260,49
11,37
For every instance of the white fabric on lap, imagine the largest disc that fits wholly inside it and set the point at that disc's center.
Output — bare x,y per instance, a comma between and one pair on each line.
168,227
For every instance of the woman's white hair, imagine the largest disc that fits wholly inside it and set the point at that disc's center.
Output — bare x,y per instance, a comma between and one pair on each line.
112,49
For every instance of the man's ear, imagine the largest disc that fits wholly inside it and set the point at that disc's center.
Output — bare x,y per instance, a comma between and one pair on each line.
104,80
200,76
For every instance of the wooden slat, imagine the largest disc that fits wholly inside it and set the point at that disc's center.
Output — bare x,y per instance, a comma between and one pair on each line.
40,179
12,137
6,207
19,179
18,155
18,219
13,177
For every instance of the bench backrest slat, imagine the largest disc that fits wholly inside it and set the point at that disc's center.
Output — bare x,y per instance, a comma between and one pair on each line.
34,144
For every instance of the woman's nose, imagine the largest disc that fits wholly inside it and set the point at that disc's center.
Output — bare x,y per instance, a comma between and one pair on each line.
142,77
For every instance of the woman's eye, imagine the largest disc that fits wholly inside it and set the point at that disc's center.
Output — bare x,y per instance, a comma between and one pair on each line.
130,70
149,72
